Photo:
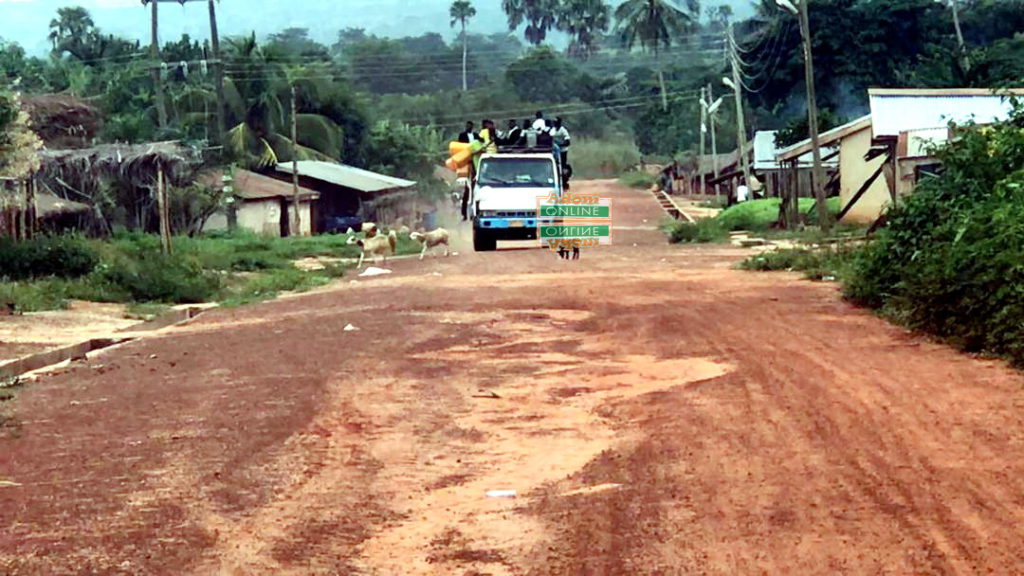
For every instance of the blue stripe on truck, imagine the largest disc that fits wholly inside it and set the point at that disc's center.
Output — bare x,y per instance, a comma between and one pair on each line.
507,222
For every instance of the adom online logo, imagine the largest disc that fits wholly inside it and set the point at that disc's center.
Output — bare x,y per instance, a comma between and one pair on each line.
574,221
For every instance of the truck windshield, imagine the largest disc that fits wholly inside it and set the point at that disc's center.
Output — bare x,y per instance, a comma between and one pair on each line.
517,172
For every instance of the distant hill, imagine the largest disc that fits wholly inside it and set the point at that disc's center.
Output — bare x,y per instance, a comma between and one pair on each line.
27,21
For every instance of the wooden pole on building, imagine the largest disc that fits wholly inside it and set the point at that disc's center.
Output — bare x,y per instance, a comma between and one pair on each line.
296,205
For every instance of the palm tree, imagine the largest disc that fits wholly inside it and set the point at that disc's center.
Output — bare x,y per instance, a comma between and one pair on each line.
73,31
655,24
461,12
585,21
256,97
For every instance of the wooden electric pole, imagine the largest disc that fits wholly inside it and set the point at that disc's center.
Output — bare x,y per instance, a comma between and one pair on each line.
158,89
218,75
703,136
818,184
712,115
296,205
741,126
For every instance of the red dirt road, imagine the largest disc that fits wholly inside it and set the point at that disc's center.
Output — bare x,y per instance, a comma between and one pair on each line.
655,411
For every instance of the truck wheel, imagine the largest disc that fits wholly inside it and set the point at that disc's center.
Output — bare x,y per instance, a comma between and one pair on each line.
483,243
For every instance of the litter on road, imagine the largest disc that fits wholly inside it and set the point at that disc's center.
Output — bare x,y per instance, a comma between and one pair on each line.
501,494
350,328
373,271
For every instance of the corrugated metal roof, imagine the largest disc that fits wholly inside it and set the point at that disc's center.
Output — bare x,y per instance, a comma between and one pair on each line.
347,176
826,139
895,111
252,186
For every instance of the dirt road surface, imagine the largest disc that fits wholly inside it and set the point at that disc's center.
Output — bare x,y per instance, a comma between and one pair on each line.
655,411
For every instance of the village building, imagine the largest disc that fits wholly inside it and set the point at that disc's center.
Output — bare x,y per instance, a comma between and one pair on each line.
261,204
883,155
348,195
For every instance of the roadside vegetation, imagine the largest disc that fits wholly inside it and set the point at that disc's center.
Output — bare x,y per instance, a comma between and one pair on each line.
46,273
756,216
950,262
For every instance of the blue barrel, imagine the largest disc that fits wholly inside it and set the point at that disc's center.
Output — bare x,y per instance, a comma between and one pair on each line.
430,220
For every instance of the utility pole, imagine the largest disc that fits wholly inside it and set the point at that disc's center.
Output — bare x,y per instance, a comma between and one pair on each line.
218,74
158,89
703,136
965,60
824,218
712,114
741,127
296,219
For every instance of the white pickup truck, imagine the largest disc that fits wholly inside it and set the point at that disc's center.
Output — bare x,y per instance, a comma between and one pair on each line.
504,199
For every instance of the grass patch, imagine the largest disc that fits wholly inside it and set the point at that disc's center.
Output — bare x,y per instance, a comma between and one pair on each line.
636,179
234,268
269,285
60,256
761,215
703,231
35,296
830,263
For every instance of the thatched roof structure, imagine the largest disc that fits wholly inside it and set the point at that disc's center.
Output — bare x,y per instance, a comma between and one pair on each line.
63,121
50,206
84,169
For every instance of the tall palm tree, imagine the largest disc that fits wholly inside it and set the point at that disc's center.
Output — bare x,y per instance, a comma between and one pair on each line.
585,21
256,97
461,12
654,25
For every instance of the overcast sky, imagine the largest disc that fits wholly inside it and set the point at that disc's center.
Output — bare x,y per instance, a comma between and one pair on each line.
27,21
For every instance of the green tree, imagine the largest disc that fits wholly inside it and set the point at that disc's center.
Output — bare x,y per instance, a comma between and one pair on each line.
544,75
461,12
540,17
74,32
655,25
586,22
258,94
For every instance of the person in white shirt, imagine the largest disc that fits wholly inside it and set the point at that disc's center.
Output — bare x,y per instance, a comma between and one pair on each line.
562,140
742,192
540,125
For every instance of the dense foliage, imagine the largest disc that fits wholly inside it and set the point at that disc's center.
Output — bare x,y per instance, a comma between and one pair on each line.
951,261
607,83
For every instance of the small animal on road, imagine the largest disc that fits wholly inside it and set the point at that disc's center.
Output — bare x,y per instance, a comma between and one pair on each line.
376,246
431,239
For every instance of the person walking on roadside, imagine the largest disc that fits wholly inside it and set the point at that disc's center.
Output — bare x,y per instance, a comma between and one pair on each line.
469,136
